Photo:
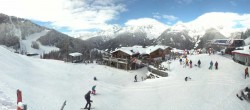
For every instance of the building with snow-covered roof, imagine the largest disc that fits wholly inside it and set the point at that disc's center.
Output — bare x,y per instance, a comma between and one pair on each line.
228,44
134,57
75,57
242,55
158,51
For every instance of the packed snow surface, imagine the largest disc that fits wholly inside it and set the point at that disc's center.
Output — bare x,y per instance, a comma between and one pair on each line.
46,84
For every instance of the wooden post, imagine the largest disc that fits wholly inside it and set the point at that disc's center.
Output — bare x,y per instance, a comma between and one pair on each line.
19,98
64,103
117,63
109,61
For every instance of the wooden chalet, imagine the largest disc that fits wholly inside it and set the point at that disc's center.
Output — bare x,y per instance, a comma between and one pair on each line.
158,52
124,58
136,56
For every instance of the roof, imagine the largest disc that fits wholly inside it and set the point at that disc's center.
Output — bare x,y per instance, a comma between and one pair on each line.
225,41
131,50
245,51
151,49
139,49
75,54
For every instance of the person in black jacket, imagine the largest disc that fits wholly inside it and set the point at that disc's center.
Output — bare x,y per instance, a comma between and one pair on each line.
87,98
135,78
199,63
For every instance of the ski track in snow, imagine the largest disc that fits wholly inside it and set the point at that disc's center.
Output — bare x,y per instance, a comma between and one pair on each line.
47,83
5,102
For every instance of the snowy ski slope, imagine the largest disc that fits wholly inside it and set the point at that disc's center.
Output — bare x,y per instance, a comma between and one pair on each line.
47,83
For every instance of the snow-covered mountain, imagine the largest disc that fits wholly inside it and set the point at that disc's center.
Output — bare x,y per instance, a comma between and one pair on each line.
126,36
197,34
151,31
190,35
24,36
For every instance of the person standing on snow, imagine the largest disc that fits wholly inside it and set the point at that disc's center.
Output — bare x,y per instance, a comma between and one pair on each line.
216,65
135,78
87,98
190,62
93,90
186,61
180,61
211,65
199,63
246,73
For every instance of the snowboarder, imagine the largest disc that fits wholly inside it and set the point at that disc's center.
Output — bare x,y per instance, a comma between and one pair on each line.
246,73
199,63
190,62
180,61
87,98
211,65
135,78
216,65
93,90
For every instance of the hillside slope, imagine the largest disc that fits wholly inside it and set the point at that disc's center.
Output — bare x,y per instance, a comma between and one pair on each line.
47,83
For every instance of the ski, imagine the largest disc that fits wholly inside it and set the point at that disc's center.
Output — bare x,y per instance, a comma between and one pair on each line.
239,97
87,108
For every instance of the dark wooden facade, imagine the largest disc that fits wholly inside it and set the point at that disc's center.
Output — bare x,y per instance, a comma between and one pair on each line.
160,53
122,60
120,54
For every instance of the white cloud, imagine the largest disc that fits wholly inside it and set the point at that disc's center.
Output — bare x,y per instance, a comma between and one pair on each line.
145,22
164,16
170,17
233,3
72,14
225,22
154,28
184,1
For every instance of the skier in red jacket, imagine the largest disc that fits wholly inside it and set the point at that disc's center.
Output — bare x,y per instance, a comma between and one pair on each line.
246,73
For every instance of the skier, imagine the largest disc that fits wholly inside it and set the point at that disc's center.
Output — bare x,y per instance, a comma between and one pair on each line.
180,61
216,65
246,73
135,78
190,63
211,65
87,98
95,78
93,90
199,63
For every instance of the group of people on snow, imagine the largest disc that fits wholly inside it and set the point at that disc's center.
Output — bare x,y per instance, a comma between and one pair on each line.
190,64
211,65
87,96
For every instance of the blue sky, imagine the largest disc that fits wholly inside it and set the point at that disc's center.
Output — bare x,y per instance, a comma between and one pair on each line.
76,16
184,10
